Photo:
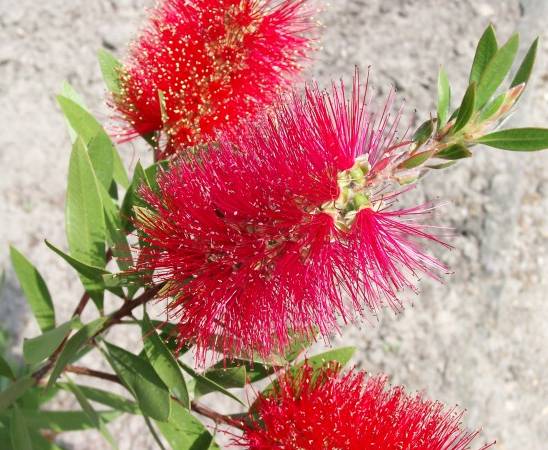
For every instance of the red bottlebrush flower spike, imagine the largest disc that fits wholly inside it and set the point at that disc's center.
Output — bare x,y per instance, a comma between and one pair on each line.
204,65
279,231
328,411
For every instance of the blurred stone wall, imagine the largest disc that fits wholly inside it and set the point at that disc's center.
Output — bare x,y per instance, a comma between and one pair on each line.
479,340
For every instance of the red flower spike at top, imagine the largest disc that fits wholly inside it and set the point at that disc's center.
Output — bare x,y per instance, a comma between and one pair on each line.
330,411
204,65
279,230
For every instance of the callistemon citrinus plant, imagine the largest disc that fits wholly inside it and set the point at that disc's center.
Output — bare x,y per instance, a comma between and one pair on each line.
275,220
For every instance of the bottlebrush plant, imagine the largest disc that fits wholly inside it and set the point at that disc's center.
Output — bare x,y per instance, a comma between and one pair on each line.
268,220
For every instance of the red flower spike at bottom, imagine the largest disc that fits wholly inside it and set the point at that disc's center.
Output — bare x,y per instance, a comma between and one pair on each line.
330,411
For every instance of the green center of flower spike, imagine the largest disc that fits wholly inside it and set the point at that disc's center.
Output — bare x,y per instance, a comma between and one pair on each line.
352,197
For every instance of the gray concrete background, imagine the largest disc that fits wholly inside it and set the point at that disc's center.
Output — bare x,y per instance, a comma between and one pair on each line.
478,341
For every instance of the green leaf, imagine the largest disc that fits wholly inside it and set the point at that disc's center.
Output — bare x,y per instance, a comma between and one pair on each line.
417,160
132,198
454,152
163,362
517,139
444,98
61,421
486,49
35,289
524,72
5,369
91,414
116,238
19,431
423,133
85,221
73,345
39,348
14,391
110,68
492,107
234,377
209,384
149,390
93,276
115,401
496,71
254,371
466,109
103,155
185,432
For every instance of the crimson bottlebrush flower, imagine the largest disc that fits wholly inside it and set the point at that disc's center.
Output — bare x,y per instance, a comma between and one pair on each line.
331,411
203,65
279,230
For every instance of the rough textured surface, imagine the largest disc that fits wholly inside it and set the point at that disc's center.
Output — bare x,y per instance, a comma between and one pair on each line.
478,341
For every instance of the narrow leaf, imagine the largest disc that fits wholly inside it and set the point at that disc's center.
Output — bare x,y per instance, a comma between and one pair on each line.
454,152
417,160
234,377
423,133
163,362
61,421
115,401
84,218
73,345
492,107
92,277
466,108
19,431
185,432
210,384
444,98
517,139
92,415
5,369
110,68
14,391
41,347
524,72
496,71
35,289
142,381
486,49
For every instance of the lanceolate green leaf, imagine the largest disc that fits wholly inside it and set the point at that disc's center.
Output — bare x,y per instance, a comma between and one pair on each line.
517,139
19,431
466,108
496,71
35,289
454,152
5,369
14,391
110,68
185,432
423,133
92,415
486,49
60,421
526,67
115,401
92,277
85,222
492,108
39,348
444,98
163,362
233,377
142,381
211,385
417,160
73,345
